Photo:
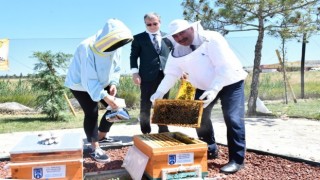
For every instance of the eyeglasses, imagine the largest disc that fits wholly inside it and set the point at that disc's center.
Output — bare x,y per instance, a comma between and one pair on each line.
154,24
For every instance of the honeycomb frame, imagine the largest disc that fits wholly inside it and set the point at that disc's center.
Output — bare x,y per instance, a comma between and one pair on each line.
174,112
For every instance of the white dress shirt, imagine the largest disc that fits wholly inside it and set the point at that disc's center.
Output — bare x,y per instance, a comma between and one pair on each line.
159,38
211,66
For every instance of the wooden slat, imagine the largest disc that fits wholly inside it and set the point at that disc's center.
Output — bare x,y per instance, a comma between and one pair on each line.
74,169
25,157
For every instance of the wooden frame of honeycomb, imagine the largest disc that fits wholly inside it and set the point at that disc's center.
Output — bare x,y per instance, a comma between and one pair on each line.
186,113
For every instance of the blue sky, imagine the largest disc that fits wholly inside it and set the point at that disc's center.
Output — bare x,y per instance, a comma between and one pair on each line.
60,25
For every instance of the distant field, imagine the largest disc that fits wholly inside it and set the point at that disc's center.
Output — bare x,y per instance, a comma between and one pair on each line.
271,88
272,85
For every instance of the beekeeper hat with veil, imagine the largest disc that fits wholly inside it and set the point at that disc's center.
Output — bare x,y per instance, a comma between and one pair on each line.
179,25
97,60
113,35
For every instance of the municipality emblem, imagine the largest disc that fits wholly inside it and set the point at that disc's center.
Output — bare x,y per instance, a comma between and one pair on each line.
38,173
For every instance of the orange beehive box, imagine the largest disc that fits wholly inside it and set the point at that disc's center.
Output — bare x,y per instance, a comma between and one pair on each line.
30,159
171,150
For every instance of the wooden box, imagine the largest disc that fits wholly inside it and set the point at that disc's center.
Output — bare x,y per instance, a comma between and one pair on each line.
171,150
30,159
174,112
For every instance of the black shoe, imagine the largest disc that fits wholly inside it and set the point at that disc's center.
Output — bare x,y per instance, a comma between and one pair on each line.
99,155
163,128
231,167
145,127
213,152
109,140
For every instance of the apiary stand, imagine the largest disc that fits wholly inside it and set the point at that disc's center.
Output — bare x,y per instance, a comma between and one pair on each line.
172,151
30,159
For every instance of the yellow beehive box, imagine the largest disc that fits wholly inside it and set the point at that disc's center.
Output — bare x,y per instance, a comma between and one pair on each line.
30,159
171,150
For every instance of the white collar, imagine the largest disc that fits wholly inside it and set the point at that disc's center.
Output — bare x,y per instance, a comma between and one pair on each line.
197,41
150,33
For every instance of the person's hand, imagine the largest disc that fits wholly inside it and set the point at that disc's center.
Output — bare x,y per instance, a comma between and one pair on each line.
113,90
184,76
136,79
156,95
208,97
110,100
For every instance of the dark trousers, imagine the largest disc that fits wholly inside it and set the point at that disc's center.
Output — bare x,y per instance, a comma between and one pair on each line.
147,90
91,114
232,104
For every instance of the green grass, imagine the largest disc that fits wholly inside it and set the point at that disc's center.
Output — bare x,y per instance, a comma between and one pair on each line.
271,91
271,86
19,123
304,108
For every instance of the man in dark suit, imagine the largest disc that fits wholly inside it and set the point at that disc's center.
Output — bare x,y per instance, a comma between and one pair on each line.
152,52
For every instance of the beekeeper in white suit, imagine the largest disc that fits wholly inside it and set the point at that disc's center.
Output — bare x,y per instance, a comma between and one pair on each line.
93,76
216,72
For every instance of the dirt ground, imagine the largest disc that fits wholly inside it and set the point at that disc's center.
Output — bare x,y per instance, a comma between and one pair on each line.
257,166
289,134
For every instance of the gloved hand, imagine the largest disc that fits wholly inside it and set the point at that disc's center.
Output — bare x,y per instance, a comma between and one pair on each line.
208,97
156,95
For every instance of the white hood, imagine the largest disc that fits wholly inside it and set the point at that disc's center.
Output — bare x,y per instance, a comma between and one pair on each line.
113,35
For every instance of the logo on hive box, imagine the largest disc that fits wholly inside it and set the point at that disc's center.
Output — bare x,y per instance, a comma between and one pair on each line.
38,173
181,158
172,159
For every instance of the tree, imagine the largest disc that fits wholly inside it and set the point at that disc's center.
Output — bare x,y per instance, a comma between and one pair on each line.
300,25
286,33
247,15
52,101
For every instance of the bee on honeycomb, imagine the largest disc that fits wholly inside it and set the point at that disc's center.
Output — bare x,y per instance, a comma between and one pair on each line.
186,91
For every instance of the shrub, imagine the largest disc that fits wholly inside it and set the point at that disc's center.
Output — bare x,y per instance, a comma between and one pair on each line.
52,101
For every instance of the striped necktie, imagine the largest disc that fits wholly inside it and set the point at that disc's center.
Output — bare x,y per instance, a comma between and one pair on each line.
156,43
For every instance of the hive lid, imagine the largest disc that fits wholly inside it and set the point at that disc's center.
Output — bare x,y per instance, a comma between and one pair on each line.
30,144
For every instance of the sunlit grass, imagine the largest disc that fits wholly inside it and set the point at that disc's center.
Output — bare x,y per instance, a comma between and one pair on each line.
304,108
39,122
271,88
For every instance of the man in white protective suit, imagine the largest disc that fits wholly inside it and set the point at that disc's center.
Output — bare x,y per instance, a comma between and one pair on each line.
213,68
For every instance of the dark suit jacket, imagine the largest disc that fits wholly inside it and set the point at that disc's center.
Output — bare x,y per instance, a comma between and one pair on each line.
150,61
